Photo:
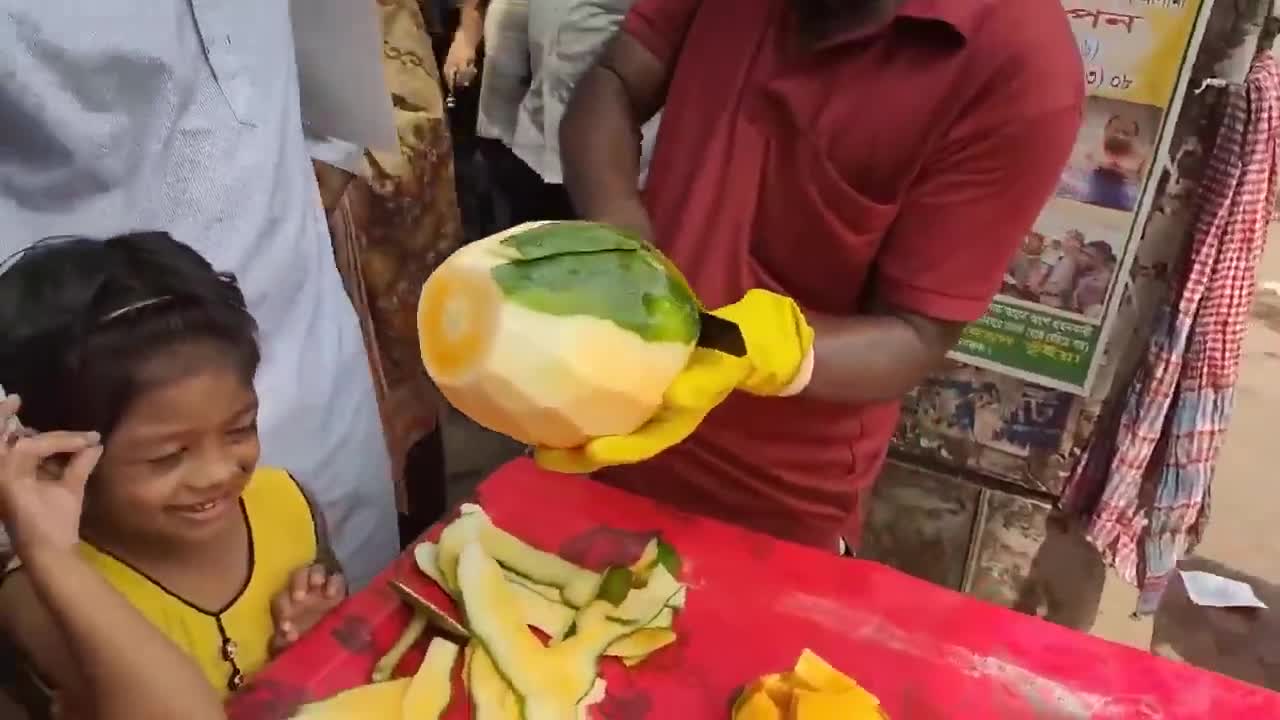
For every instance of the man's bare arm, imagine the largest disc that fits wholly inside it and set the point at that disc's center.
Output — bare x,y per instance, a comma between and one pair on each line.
876,357
600,133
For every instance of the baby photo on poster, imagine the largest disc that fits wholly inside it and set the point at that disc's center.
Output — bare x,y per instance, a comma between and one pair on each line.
1069,259
1112,154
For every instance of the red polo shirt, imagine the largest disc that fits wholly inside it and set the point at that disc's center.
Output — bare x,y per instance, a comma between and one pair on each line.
903,162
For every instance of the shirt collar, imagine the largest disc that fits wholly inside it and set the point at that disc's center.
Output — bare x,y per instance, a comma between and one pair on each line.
960,16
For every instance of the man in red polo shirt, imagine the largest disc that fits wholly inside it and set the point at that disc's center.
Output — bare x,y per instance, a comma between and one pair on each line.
877,161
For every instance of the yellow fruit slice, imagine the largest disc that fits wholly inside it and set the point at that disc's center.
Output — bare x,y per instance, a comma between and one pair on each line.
431,687
379,701
819,705
756,704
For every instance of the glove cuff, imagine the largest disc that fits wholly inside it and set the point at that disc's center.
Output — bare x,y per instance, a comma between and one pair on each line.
802,378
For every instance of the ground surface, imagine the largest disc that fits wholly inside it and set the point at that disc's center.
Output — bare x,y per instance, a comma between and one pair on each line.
1243,538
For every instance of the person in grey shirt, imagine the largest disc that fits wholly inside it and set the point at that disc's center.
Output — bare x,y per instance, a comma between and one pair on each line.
566,36
184,116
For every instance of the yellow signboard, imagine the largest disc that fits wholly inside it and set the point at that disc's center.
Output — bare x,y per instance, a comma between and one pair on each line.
1059,292
1132,49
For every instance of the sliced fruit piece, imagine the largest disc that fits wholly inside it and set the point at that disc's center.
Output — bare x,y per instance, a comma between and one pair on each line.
595,697
615,585
827,705
664,619
549,688
643,564
549,575
541,605
430,690
551,617
426,555
555,333
455,536
491,697
578,586
437,617
641,643
669,558
778,686
386,665
550,681
378,701
755,704
549,592
637,606
818,673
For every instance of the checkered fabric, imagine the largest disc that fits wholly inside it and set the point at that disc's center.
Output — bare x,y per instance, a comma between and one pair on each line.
1144,488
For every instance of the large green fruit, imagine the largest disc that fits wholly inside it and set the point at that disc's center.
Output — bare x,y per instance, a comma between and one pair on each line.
556,333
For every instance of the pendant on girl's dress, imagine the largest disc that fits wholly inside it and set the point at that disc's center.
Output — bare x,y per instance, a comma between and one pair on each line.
229,650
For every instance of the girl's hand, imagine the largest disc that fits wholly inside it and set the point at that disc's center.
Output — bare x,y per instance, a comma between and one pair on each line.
460,64
312,592
42,479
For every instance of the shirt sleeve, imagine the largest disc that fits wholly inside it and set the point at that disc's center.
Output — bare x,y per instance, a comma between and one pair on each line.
961,223
661,25
338,153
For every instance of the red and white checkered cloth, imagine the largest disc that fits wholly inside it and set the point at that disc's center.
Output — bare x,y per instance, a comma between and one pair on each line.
1144,483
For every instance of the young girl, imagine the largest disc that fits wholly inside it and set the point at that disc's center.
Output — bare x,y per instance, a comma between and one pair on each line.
137,339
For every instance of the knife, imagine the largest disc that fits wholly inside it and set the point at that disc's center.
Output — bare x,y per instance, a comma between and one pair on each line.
719,334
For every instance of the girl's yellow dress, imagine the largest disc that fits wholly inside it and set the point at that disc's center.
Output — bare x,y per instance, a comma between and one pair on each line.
231,643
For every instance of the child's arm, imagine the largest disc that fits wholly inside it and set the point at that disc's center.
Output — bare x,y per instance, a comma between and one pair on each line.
104,659
313,589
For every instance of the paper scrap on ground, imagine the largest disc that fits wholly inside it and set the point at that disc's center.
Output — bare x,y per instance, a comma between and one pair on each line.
1208,590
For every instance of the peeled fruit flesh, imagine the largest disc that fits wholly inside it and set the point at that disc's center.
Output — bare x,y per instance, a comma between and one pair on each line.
556,333
813,690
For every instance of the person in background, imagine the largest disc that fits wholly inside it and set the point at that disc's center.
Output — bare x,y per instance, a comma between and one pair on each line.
1116,166
1026,263
392,223
571,34
461,61
850,211
509,65
1058,271
1097,267
137,340
194,126
42,487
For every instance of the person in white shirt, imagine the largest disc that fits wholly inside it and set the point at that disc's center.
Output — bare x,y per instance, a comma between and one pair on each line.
184,116
566,36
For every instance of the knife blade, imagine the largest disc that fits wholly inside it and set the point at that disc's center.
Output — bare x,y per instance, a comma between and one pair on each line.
720,334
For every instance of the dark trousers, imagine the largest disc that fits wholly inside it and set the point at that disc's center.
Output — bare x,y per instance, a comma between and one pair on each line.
521,190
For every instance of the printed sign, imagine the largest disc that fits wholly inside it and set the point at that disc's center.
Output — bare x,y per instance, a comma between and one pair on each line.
1060,292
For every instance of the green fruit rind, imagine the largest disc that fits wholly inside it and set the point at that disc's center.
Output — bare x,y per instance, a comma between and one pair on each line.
589,269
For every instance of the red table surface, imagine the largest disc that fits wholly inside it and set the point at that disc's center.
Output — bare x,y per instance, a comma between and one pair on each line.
754,604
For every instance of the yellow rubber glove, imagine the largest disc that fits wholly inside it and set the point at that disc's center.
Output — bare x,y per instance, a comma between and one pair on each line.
778,362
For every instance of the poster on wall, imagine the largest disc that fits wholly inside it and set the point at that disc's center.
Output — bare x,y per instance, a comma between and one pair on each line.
1061,290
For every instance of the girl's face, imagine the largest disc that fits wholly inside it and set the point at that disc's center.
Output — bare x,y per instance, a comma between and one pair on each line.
175,465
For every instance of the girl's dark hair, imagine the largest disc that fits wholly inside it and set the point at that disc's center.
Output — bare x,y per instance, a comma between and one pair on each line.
85,323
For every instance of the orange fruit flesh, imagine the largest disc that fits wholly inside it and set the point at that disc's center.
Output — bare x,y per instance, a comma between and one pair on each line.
457,315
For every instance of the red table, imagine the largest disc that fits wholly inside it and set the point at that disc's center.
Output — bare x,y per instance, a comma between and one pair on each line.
754,603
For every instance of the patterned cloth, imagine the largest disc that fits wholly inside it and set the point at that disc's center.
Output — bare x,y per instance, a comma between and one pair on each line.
395,223
1144,487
